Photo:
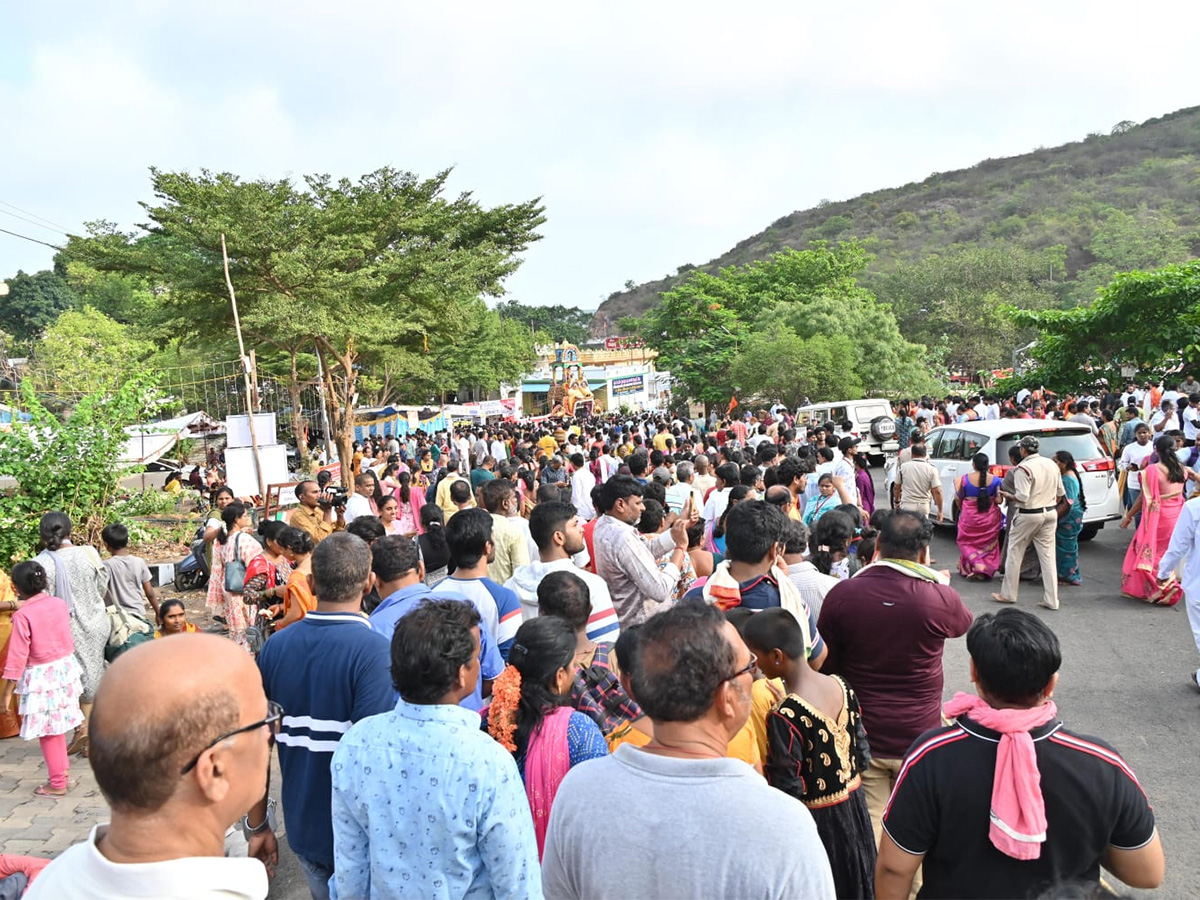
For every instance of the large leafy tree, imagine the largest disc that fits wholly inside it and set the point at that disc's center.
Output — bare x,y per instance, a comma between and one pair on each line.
1146,320
959,295
832,339
557,323
33,302
85,352
340,267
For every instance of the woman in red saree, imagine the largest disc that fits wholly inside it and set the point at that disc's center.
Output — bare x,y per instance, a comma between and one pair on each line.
531,717
1160,502
979,522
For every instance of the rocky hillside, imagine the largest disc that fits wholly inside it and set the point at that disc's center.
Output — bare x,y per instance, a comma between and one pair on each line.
1071,197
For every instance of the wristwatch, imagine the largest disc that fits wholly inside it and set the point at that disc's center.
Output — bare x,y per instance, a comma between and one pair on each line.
267,822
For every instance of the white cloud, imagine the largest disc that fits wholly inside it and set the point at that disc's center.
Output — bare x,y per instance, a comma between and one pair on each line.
658,133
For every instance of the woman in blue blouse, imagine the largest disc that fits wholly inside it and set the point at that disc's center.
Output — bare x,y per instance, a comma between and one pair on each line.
531,716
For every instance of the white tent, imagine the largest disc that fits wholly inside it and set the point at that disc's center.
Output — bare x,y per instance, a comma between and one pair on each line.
147,443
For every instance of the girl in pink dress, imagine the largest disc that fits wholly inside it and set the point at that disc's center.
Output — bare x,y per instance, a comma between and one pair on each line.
41,668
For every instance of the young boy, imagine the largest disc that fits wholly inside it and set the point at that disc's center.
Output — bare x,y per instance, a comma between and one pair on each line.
128,575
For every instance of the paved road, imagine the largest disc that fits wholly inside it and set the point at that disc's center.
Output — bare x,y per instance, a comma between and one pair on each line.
1125,678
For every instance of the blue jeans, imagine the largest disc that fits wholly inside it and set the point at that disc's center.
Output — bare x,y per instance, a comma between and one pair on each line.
318,875
1130,499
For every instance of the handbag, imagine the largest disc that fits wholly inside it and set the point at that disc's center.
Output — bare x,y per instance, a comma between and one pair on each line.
235,571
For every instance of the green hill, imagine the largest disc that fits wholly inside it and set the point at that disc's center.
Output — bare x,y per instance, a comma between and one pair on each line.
1059,222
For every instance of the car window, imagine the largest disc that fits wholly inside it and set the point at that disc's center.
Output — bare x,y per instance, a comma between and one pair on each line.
952,445
973,443
1078,442
837,413
865,413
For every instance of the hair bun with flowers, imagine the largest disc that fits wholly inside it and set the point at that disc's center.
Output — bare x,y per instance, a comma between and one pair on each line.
502,714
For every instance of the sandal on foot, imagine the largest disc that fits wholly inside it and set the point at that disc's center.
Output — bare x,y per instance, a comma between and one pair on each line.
44,790
78,743
999,598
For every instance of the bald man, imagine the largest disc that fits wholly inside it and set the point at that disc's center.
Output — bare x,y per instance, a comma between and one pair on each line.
180,745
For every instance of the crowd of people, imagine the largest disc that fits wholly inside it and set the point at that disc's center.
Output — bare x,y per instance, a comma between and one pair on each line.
496,636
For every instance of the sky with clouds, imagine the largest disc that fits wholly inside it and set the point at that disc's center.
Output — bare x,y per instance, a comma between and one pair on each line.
657,133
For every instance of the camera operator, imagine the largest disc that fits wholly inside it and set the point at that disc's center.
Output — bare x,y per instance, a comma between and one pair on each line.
318,514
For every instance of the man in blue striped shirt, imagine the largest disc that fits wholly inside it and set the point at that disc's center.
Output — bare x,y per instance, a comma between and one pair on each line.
327,671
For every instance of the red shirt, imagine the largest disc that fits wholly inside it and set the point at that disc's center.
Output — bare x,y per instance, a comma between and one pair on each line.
885,632
589,532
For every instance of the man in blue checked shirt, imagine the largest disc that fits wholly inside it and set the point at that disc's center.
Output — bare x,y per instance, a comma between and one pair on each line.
327,671
424,803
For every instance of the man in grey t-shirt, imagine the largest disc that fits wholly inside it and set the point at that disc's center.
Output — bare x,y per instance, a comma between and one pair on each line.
729,833
129,580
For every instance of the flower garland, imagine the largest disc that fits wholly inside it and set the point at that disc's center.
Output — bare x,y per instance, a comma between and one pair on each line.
502,715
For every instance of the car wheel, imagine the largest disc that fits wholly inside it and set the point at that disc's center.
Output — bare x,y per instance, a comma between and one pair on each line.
1089,532
883,428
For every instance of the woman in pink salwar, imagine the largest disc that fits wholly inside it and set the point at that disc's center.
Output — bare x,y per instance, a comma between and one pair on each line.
979,521
1160,502
531,716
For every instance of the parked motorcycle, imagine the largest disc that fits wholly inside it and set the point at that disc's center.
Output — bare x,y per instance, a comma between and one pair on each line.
192,571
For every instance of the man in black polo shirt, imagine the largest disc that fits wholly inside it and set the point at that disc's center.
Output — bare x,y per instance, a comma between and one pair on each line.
1064,804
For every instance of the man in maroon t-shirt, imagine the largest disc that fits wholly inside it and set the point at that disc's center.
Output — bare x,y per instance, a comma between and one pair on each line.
885,629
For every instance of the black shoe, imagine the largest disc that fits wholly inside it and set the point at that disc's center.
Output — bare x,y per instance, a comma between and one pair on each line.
1195,681
220,620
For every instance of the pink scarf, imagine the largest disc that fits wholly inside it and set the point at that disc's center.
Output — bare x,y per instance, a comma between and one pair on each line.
547,760
1018,814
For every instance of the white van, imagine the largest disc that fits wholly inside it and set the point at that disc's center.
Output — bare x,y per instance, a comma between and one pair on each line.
871,422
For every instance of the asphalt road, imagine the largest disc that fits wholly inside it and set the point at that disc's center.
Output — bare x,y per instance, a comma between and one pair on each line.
1125,678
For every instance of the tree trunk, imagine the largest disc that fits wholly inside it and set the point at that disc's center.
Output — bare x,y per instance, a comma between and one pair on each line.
299,426
340,399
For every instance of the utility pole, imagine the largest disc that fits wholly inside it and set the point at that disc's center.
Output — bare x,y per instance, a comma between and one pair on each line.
247,373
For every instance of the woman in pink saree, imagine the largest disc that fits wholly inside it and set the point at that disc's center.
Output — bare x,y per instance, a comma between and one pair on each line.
1160,502
530,714
979,522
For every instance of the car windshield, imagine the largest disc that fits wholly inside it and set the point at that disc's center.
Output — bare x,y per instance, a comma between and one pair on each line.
1078,442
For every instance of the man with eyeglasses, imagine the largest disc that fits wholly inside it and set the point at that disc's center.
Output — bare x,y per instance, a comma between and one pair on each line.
180,746
692,675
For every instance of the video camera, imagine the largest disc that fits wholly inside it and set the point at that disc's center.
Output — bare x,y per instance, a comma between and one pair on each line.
334,497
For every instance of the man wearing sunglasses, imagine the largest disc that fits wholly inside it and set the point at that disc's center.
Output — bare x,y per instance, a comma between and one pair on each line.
180,746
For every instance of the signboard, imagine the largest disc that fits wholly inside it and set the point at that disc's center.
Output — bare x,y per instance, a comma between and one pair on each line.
623,343
237,429
242,475
629,384
491,408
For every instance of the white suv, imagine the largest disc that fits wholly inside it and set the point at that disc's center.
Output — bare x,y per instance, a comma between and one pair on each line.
871,422
952,446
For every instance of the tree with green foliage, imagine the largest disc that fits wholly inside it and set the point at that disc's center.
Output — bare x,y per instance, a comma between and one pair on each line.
84,352
341,267
33,302
557,323
697,329
959,294
71,465
1148,320
776,364
808,302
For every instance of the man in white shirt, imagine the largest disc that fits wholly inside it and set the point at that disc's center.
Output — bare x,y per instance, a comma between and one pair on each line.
703,481
1165,418
1133,459
558,537
608,464
1184,546
728,477
463,444
179,741
497,450
582,482
359,503
1191,420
